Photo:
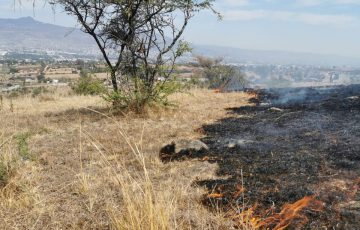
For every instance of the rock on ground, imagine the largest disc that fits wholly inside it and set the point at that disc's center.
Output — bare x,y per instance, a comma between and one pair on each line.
181,149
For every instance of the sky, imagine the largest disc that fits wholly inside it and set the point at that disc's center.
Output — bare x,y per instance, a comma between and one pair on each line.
311,26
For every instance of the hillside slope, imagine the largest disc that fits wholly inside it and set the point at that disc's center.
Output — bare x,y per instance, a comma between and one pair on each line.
29,34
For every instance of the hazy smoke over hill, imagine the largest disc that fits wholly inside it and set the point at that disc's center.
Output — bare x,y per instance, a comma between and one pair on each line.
237,55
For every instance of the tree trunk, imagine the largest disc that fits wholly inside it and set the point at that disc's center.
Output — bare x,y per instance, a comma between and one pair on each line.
113,81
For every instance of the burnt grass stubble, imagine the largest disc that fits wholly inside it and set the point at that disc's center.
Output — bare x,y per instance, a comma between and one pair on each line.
307,146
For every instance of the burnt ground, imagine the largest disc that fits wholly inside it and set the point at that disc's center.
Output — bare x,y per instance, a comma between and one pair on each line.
291,144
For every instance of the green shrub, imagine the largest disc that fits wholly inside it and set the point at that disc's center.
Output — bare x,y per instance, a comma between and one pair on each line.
139,95
164,89
41,78
13,70
23,146
39,90
4,174
88,85
14,94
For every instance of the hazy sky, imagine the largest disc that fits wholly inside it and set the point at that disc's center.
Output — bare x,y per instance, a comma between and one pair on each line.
316,26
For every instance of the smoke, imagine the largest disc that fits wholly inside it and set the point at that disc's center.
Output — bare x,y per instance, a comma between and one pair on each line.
308,95
288,96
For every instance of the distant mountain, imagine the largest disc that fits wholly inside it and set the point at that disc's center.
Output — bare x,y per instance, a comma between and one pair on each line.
26,34
29,34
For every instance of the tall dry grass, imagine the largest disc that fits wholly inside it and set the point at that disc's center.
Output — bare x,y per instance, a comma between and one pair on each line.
150,198
93,170
17,196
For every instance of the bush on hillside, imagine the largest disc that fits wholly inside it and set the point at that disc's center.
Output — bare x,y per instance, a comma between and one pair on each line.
38,91
138,99
88,85
3,174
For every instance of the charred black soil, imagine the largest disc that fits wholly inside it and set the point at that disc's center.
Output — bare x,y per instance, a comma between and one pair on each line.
292,143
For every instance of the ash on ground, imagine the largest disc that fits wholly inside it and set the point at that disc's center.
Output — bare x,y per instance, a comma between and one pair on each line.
290,144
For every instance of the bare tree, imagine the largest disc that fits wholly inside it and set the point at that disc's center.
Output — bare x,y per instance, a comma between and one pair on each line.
140,40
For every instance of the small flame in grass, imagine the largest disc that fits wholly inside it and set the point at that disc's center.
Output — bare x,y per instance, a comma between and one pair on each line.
240,191
291,212
215,195
246,220
355,188
253,93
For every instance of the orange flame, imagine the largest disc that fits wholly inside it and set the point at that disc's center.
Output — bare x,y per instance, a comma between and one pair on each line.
246,219
240,190
355,188
253,94
215,195
291,212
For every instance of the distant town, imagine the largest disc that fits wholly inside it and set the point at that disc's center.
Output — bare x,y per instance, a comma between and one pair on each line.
34,69
269,76
61,55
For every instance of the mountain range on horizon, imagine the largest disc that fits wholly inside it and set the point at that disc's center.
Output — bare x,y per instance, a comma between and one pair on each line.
30,34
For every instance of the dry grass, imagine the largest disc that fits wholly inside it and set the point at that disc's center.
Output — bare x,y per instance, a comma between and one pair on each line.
62,76
72,76
96,171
